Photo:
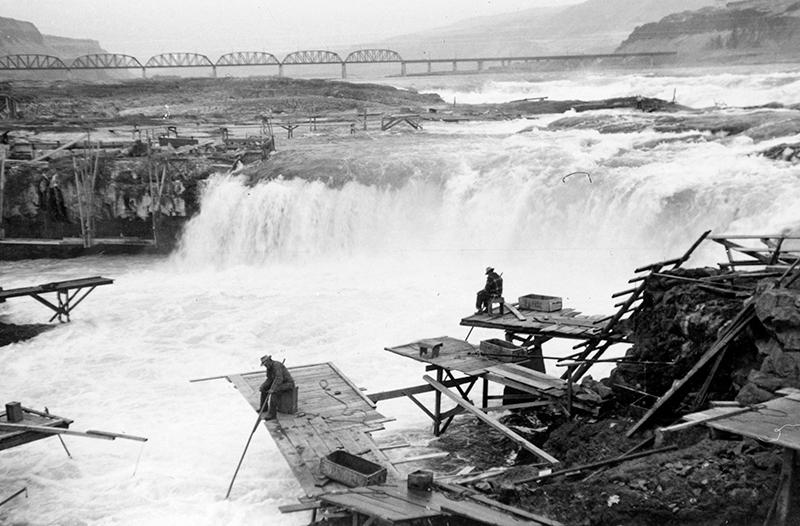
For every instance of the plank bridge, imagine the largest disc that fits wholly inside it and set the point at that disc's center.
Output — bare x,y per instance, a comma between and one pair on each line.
112,61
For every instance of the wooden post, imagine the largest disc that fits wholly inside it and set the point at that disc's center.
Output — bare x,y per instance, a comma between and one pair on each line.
2,190
437,411
485,400
785,505
152,197
78,193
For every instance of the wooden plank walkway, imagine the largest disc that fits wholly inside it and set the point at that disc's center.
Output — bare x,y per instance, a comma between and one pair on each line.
332,414
398,505
564,323
65,297
13,438
455,355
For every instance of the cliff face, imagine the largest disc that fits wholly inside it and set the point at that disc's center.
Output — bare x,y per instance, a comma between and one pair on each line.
756,30
593,26
17,36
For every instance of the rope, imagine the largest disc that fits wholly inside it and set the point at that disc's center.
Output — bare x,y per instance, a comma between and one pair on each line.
348,411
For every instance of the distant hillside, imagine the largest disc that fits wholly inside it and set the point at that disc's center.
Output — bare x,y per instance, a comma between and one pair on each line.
594,26
752,30
17,36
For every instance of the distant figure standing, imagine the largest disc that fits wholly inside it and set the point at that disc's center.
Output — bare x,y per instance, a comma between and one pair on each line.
278,380
493,287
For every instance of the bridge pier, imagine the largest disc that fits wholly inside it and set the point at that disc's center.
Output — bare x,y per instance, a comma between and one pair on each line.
144,73
429,67
344,70
280,70
402,69
480,65
214,71
455,66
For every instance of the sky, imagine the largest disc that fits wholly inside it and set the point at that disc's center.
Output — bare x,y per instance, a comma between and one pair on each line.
146,27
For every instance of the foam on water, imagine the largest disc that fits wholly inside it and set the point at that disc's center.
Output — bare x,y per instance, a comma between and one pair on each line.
313,273
697,89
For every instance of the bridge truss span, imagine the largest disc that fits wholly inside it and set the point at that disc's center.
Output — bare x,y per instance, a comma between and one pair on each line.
373,55
314,56
106,61
31,61
248,58
179,60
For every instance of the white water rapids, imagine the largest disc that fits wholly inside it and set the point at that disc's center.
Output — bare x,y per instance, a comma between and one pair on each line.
313,273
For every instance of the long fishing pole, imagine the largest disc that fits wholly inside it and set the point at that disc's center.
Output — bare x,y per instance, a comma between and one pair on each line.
255,426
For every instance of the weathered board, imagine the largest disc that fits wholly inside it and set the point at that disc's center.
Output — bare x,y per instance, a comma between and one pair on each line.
399,505
775,421
565,323
454,355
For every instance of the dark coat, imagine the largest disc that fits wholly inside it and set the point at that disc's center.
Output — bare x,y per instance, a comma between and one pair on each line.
277,375
494,284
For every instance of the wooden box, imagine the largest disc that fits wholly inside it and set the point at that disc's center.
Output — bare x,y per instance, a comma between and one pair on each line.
420,480
501,350
351,470
430,348
540,302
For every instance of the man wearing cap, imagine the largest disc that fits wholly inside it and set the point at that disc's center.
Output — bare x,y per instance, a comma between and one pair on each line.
493,287
278,380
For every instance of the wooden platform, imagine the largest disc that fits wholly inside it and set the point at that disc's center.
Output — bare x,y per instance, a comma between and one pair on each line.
398,505
777,422
455,355
13,438
332,414
564,323
66,293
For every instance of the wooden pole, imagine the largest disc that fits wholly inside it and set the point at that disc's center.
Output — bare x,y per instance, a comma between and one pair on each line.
247,445
491,421
2,191
78,196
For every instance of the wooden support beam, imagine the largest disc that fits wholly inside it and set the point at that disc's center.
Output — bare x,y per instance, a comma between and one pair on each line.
615,460
491,421
742,319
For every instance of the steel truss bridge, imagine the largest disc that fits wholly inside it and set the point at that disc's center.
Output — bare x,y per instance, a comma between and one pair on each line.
110,61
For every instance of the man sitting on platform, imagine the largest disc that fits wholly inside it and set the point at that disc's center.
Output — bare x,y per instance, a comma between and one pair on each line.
278,380
493,287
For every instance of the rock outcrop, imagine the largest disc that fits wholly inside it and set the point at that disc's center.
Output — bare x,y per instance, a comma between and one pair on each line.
751,31
17,36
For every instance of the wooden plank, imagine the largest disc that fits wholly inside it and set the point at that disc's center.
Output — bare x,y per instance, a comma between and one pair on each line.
513,310
417,458
475,511
528,376
524,405
303,506
461,490
491,421
716,414
739,322
417,389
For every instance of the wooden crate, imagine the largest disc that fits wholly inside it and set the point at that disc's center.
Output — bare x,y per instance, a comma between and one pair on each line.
540,302
501,350
351,470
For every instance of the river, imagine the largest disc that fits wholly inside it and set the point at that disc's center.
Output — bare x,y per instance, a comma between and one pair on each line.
313,273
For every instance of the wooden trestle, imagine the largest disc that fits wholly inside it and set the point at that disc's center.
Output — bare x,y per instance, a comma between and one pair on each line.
66,293
457,356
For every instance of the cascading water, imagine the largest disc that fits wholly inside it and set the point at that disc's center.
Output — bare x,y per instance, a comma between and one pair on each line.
364,242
